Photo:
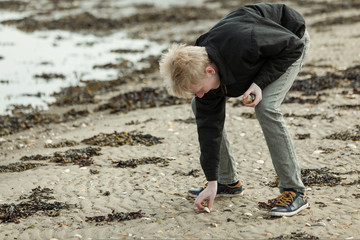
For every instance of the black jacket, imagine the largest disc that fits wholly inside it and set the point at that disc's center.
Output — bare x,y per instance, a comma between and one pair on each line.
253,44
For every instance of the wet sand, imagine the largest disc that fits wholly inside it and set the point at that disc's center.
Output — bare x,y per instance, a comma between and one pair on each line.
151,171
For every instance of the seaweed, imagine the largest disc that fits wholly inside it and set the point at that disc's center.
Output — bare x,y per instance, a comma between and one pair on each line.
73,114
190,120
301,100
336,21
73,95
348,106
306,116
352,134
87,21
19,167
26,117
116,139
116,216
13,5
302,136
81,157
348,78
268,205
133,163
193,172
141,99
316,177
295,235
35,203
49,76
137,122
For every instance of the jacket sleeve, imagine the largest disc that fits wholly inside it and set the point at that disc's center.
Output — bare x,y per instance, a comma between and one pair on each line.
277,46
210,117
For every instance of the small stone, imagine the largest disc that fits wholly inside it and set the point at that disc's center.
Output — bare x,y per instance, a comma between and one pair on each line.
308,224
248,214
260,161
320,224
214,225
67,170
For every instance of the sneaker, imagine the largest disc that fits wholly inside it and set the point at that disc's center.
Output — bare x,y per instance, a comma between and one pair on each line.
289,203
223,190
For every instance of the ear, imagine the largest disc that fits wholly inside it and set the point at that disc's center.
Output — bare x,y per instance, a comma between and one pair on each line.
209,69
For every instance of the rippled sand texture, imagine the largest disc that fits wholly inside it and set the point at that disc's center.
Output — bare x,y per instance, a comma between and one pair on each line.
148,150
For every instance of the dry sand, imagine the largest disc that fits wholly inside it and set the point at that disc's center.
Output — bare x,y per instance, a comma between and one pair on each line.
160,192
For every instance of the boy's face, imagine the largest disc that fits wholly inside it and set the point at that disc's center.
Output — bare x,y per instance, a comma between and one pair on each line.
210,82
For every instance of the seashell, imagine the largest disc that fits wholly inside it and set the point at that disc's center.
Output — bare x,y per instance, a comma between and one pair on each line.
248,214
206,209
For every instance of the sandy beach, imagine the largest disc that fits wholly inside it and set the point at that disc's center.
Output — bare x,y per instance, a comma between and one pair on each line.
131,153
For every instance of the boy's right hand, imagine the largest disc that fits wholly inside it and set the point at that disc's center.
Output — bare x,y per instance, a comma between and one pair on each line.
208,193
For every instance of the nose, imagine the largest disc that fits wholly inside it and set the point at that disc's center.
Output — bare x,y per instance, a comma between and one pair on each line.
200,95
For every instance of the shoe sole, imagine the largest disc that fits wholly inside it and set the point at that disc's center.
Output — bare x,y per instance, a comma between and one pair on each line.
288,214
226,195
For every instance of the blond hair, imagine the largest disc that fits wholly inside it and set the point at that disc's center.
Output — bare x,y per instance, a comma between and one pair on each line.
182,66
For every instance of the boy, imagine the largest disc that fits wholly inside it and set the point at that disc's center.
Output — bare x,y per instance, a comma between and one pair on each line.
256,49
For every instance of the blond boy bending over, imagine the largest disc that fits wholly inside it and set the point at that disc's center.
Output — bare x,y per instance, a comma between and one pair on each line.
255,50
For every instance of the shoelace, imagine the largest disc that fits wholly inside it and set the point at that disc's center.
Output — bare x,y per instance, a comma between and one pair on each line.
285,198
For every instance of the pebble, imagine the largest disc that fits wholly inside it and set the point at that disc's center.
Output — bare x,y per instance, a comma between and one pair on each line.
248,214
213,225
242,134
67,170
320,224
260,161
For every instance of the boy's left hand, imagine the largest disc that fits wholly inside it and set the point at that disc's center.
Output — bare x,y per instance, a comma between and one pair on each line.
255,89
